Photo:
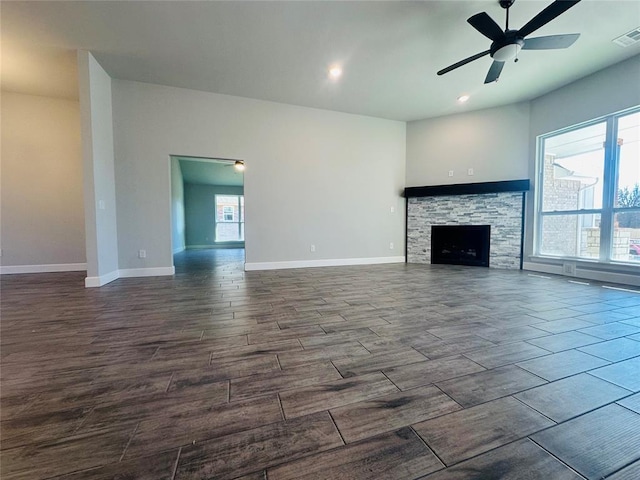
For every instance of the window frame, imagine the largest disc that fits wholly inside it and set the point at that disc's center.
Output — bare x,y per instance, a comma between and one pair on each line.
240,222
610,188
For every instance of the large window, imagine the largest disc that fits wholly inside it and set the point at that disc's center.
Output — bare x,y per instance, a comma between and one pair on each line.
589,200
229,218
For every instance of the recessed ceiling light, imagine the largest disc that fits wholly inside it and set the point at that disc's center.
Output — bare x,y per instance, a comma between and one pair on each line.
335,72
463,98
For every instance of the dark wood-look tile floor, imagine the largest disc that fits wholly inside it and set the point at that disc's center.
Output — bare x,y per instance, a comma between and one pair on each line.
367,372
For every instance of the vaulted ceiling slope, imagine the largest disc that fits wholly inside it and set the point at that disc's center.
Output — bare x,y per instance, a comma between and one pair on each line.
390,51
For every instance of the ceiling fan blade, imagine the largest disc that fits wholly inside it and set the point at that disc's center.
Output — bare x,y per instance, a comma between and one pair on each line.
545,16
463,62
550,42
494,71
483,23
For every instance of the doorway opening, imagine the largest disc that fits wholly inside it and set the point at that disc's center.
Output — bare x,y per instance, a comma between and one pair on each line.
207,212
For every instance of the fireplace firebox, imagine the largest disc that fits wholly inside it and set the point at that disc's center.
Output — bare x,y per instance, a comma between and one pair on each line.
460,244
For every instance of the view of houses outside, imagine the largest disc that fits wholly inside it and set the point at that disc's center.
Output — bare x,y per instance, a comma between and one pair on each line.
573,176
229,218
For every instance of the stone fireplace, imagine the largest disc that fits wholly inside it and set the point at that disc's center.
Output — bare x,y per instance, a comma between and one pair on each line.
499,205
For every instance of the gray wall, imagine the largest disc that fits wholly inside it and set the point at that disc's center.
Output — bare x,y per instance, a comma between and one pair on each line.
42,218
199,202
312,176
98,160
493,142
178,226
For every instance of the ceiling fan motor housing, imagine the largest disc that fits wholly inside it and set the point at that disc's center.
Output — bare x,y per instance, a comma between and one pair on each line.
506,48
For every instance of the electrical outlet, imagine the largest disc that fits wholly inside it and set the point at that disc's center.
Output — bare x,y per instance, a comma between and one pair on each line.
390,245
142,254
470,171
393,209
451,173
312,248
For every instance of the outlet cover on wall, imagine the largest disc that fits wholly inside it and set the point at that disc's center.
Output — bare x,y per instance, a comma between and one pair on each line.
312,248
142,254
569,268
451,173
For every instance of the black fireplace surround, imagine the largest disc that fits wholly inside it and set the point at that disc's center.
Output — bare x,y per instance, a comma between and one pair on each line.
460,244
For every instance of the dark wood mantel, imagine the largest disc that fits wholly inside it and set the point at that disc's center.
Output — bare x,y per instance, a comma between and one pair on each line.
468,188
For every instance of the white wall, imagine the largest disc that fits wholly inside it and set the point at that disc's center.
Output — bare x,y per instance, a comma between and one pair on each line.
42,206
493,142
98,158
312,176
178,230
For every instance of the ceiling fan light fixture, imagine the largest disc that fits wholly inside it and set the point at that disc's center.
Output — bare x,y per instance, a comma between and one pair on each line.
239,166
508,52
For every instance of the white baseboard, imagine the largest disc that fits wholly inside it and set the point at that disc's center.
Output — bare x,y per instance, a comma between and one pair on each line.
48,268
338,262
178,250
585,273
146,272
92,282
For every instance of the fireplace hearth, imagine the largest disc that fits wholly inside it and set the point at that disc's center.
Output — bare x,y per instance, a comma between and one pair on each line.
460,245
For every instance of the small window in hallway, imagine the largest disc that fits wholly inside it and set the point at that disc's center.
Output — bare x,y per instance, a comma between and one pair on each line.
229,218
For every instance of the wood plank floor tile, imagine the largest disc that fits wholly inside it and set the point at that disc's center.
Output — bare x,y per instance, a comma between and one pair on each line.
338,351
614,350
228,457
48,459
596,444
155,467
612,330
383,414
632,402
517,461
36,426
564,341
289,333
631,472
280,380
502,355
484,386
317,398
377,362
219,372
187,423
625,374
511,334
572,396
399,455
472,431
431,371
563,364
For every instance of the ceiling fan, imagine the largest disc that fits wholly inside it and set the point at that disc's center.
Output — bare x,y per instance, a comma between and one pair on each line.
506,44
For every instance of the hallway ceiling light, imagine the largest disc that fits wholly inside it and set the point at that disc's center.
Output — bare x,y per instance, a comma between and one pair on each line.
239,165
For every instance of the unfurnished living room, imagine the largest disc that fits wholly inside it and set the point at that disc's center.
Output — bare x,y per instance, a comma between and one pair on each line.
266,240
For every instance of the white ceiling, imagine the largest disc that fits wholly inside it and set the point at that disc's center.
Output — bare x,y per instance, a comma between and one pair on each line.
280,51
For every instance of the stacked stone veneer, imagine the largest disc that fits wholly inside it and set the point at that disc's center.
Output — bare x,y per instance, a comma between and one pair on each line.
503,211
